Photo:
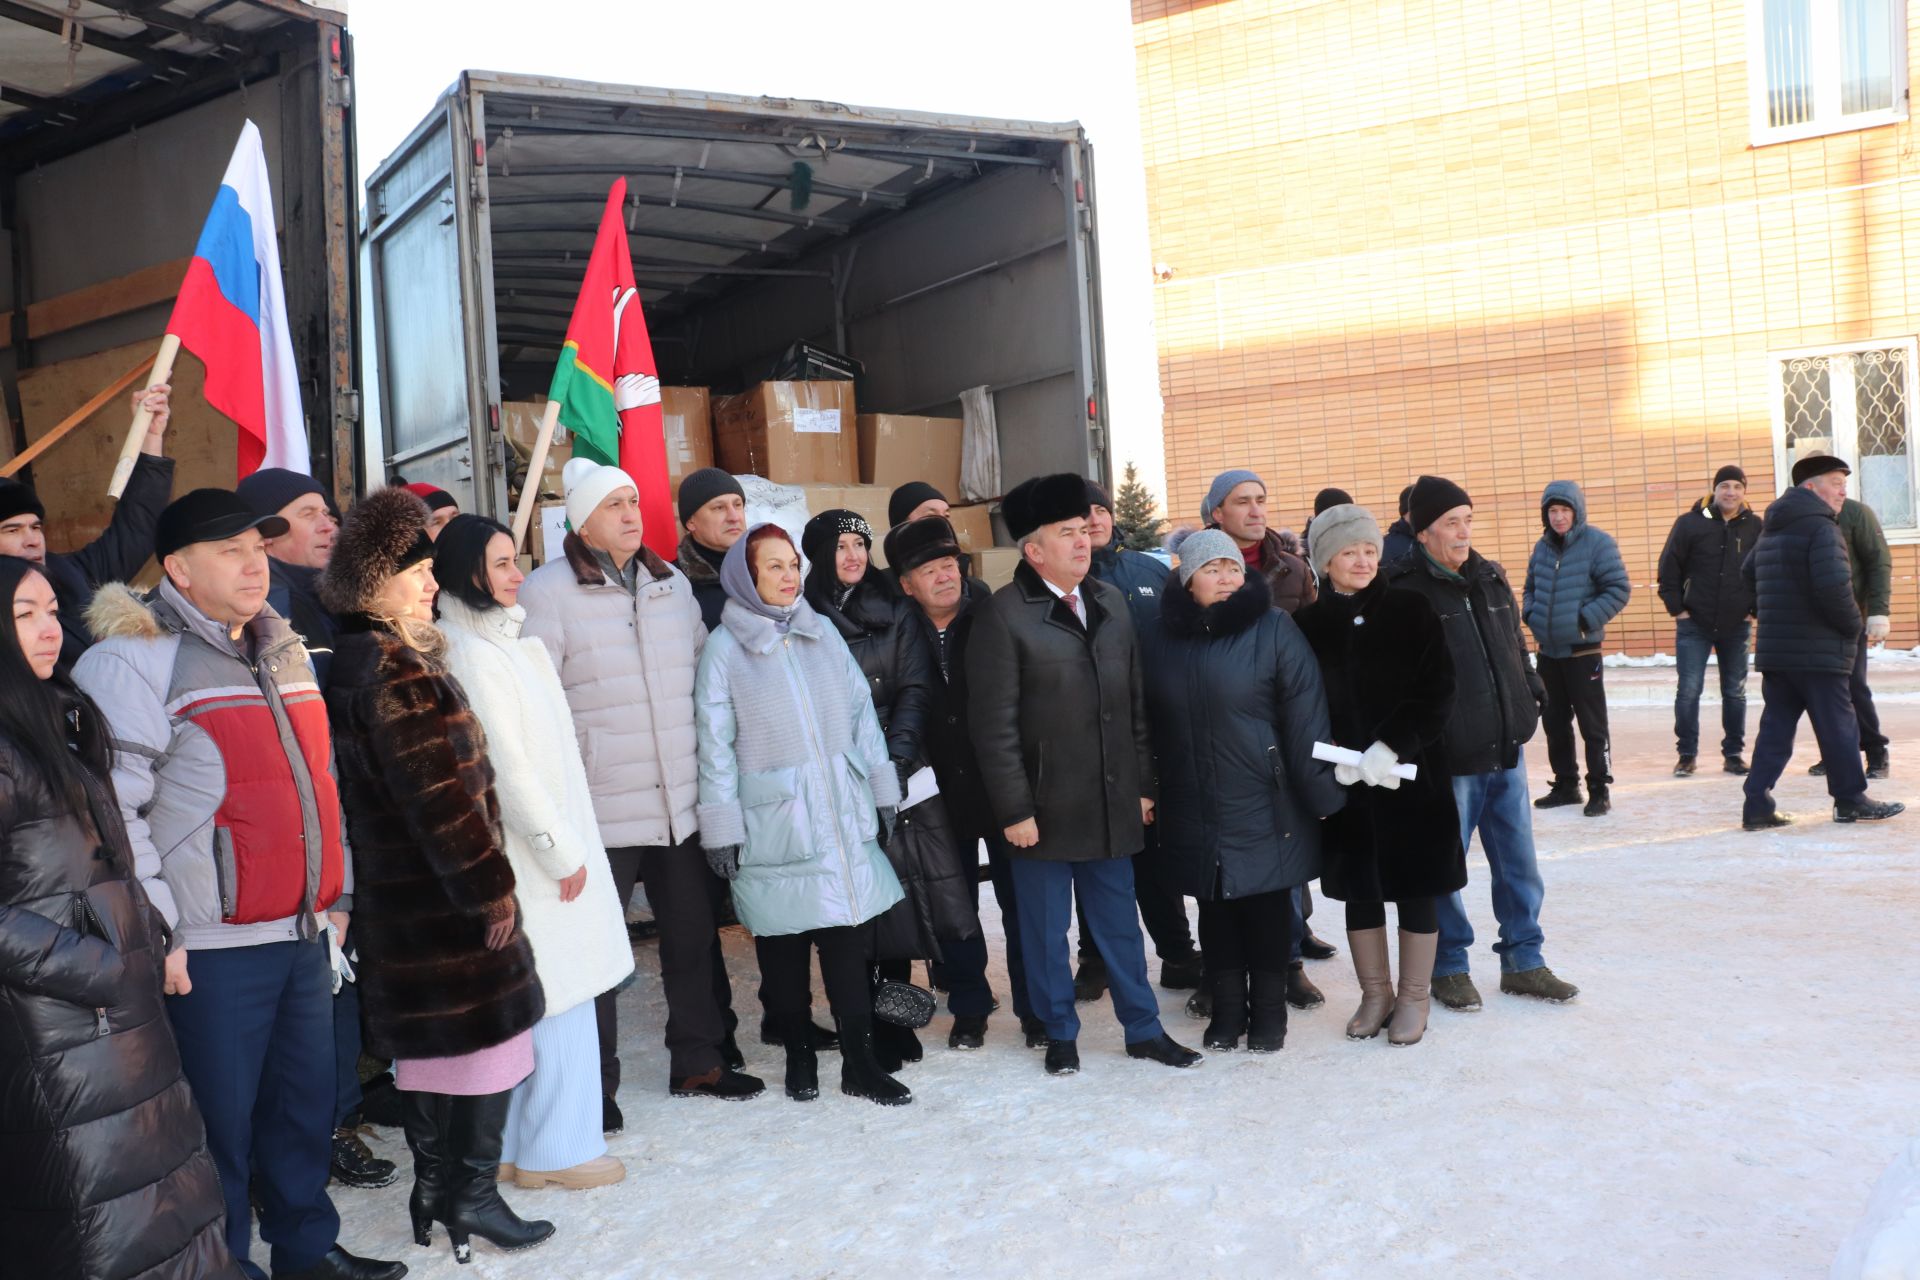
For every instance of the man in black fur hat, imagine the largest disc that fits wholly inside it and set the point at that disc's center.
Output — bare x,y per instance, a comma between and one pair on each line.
1059,727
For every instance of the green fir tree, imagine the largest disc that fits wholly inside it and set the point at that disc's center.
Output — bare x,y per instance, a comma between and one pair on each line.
1136,517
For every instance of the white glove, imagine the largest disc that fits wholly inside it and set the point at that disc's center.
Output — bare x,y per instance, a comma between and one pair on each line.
1376,766
1346,774
342,967
1877,628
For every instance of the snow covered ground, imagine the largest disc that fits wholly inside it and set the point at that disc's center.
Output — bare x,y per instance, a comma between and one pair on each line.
1738,1071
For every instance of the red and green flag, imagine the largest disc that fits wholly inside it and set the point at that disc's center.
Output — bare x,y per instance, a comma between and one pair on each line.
607,382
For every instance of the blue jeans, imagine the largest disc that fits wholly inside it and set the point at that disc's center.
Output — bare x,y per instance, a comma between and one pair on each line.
1104,886
1496,803
256,1040
1691,646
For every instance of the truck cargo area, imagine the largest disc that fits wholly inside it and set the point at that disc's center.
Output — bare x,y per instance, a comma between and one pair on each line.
939,252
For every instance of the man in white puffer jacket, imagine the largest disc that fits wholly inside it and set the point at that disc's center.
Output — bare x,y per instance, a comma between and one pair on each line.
625,634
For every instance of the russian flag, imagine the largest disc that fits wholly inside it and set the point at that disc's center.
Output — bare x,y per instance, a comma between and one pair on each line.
232,313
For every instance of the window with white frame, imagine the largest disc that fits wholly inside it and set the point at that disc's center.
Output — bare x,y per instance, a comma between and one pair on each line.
1856,402
1825,66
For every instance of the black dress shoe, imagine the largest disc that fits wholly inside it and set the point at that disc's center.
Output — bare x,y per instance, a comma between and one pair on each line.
969,1032
1819,769
1035,1031
1735,766
1312,948
1063,1057
723,1083
1767,821
1091,982
338,1264
1164,1050
1878,769
1866,809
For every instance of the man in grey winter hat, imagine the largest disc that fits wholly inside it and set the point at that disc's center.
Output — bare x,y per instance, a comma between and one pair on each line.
1496,708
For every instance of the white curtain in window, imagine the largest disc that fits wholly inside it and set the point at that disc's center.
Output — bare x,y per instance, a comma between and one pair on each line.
1789,49
1866,55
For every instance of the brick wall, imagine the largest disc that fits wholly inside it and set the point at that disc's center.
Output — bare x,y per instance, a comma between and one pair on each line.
1505,243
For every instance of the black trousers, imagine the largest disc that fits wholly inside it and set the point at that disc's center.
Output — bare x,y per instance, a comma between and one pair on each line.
1162,910
1824,698
786,977
1417,915
687,899
1253,933
1576,690
1872,741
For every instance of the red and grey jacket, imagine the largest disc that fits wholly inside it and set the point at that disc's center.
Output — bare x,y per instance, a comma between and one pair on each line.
223,767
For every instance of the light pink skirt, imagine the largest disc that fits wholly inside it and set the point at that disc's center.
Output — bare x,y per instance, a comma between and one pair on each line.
477,1074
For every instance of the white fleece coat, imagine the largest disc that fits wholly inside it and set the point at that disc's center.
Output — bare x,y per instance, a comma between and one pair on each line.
580,948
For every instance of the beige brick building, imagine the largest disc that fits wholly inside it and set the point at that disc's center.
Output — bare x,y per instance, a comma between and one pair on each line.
1619,243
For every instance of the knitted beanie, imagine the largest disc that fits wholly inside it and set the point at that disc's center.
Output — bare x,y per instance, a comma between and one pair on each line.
1433,497
1223,484
702,487
588,484
1729,472
1198,548
902,501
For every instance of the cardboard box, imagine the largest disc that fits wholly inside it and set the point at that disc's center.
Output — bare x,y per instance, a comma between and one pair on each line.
995,565
790,432
973,526
897,447
689,425
870,500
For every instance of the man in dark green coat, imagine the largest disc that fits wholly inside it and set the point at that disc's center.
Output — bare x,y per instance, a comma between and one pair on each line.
1872,565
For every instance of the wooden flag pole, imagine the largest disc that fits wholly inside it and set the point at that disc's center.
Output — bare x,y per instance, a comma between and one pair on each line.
137,433
536,470
75,418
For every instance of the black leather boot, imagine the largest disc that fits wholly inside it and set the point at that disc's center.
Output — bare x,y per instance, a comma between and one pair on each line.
860,1073
1267,1012
803,1065
473,1204
1229,987
423,1117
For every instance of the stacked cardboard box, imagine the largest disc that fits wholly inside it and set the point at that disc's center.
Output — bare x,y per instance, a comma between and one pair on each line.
995,565
797,433
896,448
973,526
689,424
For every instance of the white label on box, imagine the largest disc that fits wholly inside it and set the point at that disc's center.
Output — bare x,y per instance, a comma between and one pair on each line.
817,421
553,532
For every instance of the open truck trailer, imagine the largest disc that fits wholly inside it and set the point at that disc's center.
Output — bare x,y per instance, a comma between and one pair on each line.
940,252
117,118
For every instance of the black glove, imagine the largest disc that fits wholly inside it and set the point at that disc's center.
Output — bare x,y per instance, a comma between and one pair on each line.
725,861
889,818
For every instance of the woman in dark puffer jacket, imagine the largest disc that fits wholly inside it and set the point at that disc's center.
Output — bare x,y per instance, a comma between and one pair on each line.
107,1173
880,629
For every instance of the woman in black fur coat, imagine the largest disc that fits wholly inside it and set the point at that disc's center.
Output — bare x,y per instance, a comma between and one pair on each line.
446,974
1234,697
1389,682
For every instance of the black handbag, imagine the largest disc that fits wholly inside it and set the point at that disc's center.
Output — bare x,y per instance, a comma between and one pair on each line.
902,1004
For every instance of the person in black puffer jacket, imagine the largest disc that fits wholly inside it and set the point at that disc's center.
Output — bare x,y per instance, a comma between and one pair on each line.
108,1175
880,628
1809,634
1712,608
1235,702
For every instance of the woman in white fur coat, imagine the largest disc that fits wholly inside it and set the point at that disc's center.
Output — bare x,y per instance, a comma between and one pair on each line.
567,901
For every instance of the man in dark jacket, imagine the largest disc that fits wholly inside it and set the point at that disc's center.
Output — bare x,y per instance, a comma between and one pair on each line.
932,574
117,554
1575,585
1872,563
1059,727
1399,542
1143,581
1236,501
713,516
1712,607
1496,708
1809,637
295,559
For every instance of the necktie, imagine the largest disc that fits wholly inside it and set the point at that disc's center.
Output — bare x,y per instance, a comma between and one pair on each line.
1072,601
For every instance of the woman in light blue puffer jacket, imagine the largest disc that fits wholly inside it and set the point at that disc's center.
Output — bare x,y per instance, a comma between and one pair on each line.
795,790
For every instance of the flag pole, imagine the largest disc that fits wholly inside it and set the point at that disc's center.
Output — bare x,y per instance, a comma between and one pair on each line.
75,418
536,470
142,418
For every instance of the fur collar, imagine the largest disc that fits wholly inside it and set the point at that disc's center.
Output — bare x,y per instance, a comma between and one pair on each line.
588,573
695,565
118,612
1183,616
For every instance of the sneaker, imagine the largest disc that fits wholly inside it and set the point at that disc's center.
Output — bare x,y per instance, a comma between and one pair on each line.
601,1171
1538,983
1035,1032
1560,796
1735,766
1313,948
1683,769
720,1082
1865,809
1879,769
1182,973
969,1032
1766,821
1091,982
1457,992
1164,1050
1301,993
1063,1057
354,1165
1200,1005
611,1121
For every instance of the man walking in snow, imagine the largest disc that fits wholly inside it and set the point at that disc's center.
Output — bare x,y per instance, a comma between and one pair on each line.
1496,708
1575,586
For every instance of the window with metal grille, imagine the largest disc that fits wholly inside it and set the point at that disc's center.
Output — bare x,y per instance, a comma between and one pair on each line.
1856,402
1825,66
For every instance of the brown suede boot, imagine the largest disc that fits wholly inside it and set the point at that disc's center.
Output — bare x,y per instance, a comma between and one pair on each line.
1416,977
1369,948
